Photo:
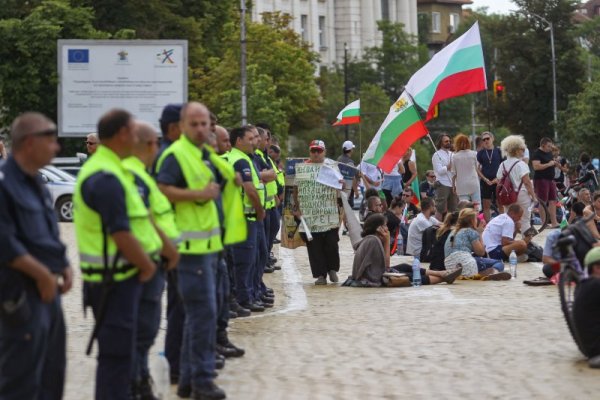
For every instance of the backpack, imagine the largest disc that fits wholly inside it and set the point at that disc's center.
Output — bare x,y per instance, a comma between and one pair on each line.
505,191
428,241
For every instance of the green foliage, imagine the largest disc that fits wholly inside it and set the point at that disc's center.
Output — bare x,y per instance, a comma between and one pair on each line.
581,122
284,66
523,63
28,77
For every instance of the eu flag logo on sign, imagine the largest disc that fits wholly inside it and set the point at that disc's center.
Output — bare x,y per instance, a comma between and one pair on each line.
79,55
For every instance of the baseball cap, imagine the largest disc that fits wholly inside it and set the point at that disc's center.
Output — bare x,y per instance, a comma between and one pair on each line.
348,145
171,113
317,144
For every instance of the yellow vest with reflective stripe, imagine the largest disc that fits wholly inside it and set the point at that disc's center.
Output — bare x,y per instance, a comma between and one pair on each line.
88,224
161,209
271,187
280,174
197,221
234,156
234,224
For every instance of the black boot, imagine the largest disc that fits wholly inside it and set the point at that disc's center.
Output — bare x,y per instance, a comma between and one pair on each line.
208,392
223,341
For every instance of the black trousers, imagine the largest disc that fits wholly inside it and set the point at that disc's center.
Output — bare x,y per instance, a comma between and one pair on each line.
323,252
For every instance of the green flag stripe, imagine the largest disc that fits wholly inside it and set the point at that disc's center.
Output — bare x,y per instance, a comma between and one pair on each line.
355,112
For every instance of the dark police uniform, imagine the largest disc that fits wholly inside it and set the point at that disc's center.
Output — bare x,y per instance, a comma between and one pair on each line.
32,341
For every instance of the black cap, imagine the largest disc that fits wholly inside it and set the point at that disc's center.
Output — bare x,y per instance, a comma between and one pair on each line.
171,113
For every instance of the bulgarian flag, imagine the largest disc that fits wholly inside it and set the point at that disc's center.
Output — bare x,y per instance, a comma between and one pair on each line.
402,127
349,115
456,70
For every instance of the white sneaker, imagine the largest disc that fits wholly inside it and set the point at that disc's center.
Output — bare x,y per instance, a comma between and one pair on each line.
333,276
522,258
321,281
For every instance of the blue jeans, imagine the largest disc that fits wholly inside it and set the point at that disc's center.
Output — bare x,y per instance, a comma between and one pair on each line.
485,263
116,337
244,259
273,228
197,285
148,322
32,354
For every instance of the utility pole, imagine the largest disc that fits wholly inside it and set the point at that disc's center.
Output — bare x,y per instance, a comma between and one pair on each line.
553,79
347,133
243,60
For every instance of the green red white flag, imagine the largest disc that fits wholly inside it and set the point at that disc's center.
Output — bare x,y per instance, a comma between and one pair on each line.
456,70
349,115
402,127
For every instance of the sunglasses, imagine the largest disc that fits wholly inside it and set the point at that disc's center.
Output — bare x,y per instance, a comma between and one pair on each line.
91,143
431,176
485,139
406,195
316,150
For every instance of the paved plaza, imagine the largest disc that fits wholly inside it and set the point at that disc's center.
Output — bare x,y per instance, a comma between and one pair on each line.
469,340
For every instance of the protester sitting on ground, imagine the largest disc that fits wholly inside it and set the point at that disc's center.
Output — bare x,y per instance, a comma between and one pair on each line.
412,210
586,315
374,205
513,147
372,258
464,240
584,198
393,215
499,235
434,239
423,221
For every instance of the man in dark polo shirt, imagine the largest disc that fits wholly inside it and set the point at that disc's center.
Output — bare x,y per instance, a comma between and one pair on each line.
489,159
34,270
543,178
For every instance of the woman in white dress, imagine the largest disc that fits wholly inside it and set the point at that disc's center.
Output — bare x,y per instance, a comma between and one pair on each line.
465,181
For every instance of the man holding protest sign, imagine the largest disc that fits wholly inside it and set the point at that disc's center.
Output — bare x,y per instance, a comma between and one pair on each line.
317,204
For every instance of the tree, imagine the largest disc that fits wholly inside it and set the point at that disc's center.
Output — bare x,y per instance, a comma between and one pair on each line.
581,122
28,81
281,60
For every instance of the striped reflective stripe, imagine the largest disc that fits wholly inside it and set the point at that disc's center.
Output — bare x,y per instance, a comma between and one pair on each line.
248,210
200,234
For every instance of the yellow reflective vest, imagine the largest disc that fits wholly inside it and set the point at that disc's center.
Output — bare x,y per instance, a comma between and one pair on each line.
234,156
160,207
88,224
271,187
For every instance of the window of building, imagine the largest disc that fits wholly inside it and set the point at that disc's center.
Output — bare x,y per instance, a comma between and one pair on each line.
304,27
454,21
322,37
385,10
436,22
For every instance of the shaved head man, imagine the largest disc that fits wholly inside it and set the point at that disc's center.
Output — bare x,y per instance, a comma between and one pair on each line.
195,122
223,143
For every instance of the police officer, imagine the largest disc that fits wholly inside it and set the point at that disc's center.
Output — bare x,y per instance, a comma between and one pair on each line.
34,271
118,250
144,153
246,255
188,174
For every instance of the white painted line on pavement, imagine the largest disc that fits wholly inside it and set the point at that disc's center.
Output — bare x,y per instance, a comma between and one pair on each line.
292,286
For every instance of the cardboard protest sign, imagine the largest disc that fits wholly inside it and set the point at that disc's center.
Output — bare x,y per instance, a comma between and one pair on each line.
318,202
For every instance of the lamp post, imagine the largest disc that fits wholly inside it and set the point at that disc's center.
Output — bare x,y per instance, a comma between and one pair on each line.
243,60
550,27
346,132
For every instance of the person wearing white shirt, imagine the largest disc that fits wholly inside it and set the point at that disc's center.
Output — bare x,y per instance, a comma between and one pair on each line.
445,199
513,147
423,221
499,235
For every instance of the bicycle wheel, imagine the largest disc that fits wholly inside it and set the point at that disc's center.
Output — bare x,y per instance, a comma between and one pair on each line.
567,286
540,210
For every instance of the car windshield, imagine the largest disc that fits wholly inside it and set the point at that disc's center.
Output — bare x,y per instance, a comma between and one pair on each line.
58,175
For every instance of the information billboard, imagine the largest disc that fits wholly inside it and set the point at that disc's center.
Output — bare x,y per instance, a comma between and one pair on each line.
140,76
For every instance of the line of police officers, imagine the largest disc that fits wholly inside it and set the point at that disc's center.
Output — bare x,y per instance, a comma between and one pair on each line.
201,220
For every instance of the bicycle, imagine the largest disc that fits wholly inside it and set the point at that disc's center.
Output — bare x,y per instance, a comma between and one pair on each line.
540,208
573,246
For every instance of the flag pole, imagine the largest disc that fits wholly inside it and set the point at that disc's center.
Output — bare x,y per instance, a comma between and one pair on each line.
360,139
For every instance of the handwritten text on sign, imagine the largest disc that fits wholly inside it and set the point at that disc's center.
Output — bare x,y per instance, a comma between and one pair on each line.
318,202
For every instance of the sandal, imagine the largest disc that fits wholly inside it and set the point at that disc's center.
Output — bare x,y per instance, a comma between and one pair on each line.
451,276
541,281
500,276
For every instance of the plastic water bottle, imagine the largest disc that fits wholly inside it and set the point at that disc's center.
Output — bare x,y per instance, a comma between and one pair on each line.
160,373
512,260
416,272
400,244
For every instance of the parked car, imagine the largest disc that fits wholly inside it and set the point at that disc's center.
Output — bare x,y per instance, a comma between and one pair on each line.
72,165
61,186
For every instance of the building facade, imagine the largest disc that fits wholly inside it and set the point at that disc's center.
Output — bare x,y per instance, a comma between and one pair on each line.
328,25
443,17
